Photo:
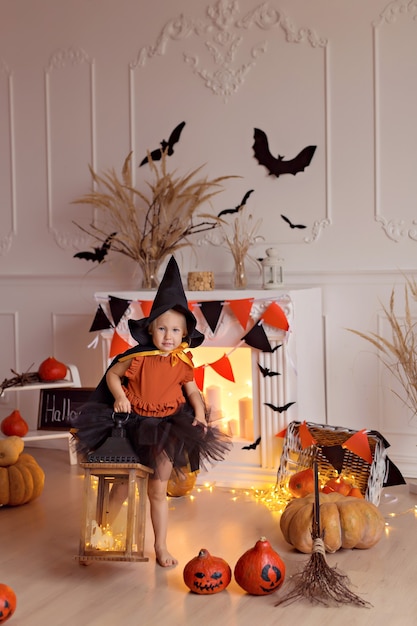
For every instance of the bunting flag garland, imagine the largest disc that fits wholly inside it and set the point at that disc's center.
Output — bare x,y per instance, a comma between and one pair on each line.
118,307
223,367
335,455
275,316
359,445
199,376
118,345
146,306
212,311
101,321
241,309
306,438
256,338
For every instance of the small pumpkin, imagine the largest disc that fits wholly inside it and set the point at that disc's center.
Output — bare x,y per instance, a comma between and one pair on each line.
345,521
10,449
301,483
339,484
260,570
50,369
20,481
14,424
181,482
206,574
7,602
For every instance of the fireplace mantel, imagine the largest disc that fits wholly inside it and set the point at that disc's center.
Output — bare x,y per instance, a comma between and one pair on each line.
300,363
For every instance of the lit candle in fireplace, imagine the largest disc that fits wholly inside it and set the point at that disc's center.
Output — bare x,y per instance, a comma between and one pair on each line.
245,416
213,399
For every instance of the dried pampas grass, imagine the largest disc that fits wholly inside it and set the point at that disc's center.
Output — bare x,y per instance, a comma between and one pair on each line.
148,226
399,355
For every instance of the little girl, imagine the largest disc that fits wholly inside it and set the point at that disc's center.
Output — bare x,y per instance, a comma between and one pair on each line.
154,383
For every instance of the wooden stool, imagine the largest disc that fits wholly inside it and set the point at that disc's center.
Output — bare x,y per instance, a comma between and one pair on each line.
99,540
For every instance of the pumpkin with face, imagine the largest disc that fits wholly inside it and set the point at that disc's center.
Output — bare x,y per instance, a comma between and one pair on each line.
206,574
260,570
7,602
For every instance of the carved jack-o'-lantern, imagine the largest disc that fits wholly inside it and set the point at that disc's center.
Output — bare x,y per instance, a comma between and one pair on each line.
260,570
206,574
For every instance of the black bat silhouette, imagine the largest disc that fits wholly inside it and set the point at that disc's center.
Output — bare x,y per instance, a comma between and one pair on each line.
99,253
252,446
267,372
276,347
280,409
236,209
174,138
291,225
277,167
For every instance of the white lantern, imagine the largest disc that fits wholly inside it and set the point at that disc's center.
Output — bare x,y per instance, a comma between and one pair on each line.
272,270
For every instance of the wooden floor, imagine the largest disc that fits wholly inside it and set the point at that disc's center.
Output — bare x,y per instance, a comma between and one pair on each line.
38,542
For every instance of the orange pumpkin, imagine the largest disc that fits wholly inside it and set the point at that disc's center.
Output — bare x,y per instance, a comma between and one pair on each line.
260,570
14,424
345,522
50,369
206,574
339,484
301,483
7,602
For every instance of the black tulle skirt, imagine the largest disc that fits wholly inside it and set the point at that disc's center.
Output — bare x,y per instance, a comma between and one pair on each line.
185,445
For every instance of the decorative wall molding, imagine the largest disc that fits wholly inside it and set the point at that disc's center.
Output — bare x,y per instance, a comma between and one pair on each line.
395,228
7,154
223,36
222,33
58,62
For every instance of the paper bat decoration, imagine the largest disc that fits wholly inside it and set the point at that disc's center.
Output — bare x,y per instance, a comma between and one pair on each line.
276,347
174,138
278,166
280,409
290,224
239,206
99,253
252,446
267,372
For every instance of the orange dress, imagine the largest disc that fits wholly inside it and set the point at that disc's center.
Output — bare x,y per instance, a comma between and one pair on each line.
154,385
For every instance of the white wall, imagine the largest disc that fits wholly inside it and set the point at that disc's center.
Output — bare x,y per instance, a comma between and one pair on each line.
86,82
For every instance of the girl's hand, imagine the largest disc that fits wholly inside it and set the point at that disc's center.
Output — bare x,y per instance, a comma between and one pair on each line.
202,422
122,405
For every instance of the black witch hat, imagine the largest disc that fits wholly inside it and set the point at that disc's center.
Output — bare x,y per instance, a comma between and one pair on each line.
170,295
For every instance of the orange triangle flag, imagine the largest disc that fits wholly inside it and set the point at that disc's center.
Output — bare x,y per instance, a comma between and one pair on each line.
275,316
306,437
146,306
282,433
118,345
359,445
241,309
223,367
199,376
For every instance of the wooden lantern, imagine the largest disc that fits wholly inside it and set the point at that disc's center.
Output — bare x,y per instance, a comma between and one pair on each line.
114,512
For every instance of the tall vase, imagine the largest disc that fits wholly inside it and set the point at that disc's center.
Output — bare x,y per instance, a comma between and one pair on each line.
150,267
240,280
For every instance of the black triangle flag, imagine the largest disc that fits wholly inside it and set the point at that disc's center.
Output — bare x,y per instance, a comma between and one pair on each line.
335,455
393,475
118,307
101,321
212,311
256,338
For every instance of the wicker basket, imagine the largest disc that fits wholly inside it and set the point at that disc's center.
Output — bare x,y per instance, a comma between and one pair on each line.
369,478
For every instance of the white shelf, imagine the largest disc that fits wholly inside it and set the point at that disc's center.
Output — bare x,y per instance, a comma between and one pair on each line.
71,380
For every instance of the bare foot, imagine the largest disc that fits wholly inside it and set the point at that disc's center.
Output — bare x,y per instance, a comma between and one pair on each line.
164,558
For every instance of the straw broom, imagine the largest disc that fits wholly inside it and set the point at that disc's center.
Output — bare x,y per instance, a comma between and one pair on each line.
318,582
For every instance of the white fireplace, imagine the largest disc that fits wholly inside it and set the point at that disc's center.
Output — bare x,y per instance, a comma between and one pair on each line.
298,365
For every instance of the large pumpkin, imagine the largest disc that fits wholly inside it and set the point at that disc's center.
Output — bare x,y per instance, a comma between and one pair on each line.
181,482
206,574
345,522
21,478
260,570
